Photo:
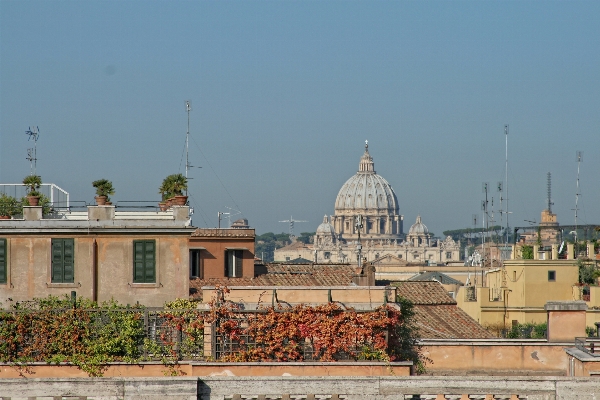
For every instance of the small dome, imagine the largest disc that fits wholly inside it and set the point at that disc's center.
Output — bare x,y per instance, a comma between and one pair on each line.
418,228
325,228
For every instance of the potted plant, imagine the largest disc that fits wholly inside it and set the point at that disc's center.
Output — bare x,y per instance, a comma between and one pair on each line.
104,188
8,206
33,183
174,185
163,190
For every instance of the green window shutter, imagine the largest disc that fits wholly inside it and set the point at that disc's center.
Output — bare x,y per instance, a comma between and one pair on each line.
63,261
68,260
138,261
150,261
144,261
57,261
3,261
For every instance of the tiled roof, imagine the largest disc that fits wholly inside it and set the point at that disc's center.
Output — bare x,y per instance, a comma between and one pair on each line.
423,293
299,260
285,275
436,276
293,246
436,314
445,321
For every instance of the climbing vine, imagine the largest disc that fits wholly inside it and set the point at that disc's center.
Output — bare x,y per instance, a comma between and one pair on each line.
91,335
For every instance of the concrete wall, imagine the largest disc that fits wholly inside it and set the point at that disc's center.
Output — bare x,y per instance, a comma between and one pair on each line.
29,266
349,388
189,368
496,357
306,294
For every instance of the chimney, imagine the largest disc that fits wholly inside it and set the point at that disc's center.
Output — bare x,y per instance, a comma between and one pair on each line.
566,320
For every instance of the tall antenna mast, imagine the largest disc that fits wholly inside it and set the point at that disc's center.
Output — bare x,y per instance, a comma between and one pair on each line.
188,108
579,155
506,180
550,203
33,133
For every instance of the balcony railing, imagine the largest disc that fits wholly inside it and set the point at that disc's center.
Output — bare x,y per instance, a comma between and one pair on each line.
588,345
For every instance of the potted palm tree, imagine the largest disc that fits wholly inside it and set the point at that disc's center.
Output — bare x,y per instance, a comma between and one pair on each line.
165,194
104,188
173,186
8,206
33,183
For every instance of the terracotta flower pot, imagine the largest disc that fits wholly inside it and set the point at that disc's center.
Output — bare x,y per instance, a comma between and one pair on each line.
180,200
33,200
4,216
100,200
169,202
163,206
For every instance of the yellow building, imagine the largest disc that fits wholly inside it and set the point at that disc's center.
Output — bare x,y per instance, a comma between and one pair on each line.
519,290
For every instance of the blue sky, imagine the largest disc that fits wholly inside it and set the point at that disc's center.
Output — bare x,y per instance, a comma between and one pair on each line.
285,93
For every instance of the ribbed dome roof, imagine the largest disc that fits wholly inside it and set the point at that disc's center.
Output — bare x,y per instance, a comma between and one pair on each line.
418,228
325,227
366,190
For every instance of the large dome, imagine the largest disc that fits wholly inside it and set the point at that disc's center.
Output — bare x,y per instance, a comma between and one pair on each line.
366,192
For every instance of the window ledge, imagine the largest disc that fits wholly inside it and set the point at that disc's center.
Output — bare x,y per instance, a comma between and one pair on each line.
145,285
63,285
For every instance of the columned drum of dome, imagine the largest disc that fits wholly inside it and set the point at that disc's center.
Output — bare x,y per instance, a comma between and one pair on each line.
371,196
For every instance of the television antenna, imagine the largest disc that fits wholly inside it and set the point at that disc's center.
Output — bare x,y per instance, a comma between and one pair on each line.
579,155
33,133
188,108
291,221
359,226
219,217
506,179
550,203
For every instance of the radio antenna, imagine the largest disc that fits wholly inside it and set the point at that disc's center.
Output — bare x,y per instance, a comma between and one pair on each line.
33,133
579,155
188,108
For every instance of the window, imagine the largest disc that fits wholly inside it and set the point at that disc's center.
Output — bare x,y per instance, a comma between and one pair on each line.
3,261
327,255
287,259
144,261
448,255
551,276
195,264
347,225
233,263
415,256
399,255
63,263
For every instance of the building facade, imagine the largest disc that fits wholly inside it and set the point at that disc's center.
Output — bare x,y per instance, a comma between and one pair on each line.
370,196
99,253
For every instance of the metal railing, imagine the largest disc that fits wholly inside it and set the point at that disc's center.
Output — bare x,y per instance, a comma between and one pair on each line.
588,345
156,337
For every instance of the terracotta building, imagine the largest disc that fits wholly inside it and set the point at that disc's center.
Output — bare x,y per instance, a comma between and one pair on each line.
100,254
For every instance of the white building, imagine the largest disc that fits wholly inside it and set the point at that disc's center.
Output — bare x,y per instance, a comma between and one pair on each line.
381,235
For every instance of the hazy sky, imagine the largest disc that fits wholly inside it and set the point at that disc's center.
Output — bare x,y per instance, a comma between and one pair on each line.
284,95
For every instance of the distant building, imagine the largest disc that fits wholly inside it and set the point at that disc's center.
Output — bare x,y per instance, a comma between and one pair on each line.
240,224
368,194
